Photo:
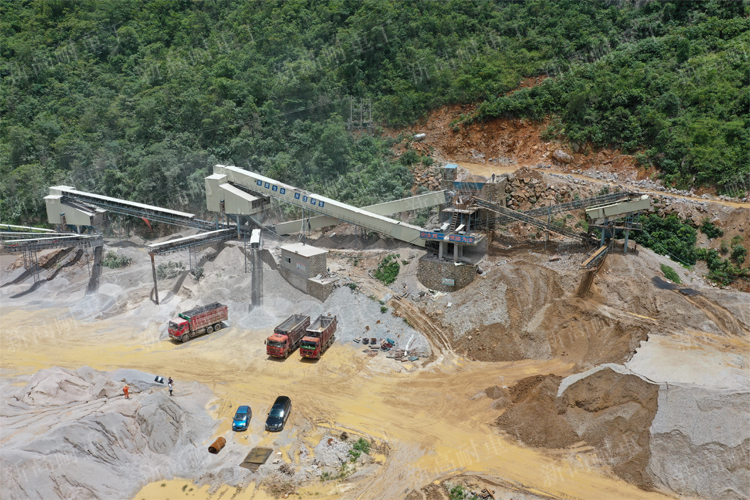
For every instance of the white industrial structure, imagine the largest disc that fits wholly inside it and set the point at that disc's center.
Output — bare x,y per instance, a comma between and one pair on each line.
309,201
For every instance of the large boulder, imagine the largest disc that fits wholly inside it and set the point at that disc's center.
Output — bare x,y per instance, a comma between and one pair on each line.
562,156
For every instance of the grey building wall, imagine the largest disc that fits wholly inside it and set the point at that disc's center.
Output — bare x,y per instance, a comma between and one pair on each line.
308,267
320,291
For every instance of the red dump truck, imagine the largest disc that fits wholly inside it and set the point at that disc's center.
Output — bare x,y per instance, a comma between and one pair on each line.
319,337
287,336
196,321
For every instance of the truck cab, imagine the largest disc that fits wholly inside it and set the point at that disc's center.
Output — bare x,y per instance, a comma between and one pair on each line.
177,327
310,347
277,345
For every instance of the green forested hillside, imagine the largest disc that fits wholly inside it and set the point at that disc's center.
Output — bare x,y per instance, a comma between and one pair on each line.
138,99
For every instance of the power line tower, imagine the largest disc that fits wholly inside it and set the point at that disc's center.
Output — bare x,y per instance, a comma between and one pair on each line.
360,114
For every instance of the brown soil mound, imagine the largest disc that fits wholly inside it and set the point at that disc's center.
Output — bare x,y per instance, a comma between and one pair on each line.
534,400
543,321
608,410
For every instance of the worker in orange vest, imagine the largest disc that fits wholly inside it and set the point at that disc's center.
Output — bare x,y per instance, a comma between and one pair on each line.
125,390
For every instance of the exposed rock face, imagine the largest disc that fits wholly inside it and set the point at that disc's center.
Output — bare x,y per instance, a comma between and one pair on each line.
72,434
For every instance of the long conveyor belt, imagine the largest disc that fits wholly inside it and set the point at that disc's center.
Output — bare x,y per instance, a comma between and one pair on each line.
604,199
519,216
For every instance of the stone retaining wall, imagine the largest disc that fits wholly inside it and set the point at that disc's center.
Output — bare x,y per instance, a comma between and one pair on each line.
432,271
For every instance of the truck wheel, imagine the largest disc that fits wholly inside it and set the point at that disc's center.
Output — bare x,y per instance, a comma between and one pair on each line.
185,338
217,327
210,329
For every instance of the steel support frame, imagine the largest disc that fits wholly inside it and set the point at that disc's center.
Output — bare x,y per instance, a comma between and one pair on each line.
522,217
569,206
148,214
194,244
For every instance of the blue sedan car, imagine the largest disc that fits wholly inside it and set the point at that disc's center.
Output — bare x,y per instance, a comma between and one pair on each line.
242,418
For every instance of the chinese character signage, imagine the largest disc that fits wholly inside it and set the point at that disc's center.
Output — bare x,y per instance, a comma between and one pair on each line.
455,238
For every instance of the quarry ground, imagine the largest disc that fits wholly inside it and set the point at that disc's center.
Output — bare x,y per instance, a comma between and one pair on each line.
638,389
632,392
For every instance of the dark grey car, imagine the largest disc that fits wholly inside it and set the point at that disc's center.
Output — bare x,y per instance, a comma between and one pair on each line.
279,414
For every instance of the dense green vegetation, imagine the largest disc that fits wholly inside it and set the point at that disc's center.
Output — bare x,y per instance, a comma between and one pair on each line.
710,230
139,98
670,236
388,269
668,82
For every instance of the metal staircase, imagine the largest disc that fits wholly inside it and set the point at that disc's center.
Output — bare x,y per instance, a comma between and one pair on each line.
454,222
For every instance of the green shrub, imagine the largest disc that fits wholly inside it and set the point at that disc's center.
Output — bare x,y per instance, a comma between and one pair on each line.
361,446
670,236
422,217
724,248
671,274
710,230
409,158
169,270
738,253
197,273
736,241
383,309
353,286
458,493
721,270
114,261
388,269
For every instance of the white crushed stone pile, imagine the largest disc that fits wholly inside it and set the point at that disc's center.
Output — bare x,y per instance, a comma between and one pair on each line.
331,452
72,434
700,442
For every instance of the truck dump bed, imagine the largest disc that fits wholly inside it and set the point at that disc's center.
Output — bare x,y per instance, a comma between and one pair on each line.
198,310
291,324
320,325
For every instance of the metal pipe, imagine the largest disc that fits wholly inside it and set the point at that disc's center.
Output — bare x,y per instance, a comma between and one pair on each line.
217,446
153,271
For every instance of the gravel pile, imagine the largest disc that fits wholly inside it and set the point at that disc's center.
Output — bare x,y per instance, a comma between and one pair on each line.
331,452
72,434
473,307
356,312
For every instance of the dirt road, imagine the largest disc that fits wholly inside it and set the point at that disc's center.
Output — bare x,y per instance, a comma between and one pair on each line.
488,170
428,417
